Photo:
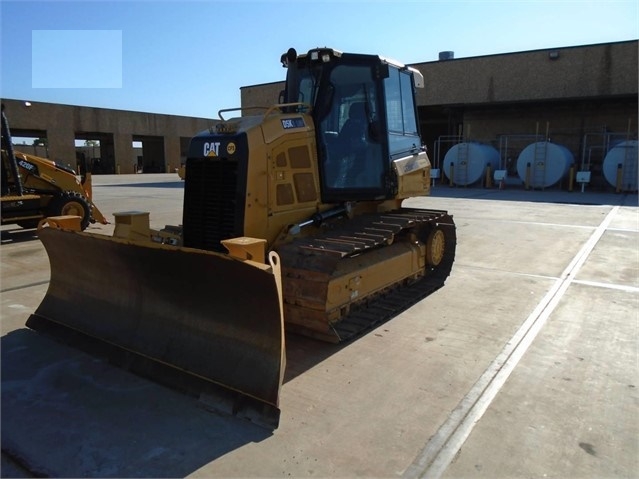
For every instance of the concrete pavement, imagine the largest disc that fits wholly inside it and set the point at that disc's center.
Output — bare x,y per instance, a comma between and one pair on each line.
523,365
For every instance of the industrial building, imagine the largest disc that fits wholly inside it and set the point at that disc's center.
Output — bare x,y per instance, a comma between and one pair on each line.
561,108
128,141
582,99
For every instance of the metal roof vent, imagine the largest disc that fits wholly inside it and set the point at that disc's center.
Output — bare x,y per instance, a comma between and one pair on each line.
446,55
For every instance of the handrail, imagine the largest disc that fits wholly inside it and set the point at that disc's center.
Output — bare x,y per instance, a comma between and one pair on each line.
285,105
219,113
269,109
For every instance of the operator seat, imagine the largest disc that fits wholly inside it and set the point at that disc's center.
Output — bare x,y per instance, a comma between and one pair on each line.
352,146
355,129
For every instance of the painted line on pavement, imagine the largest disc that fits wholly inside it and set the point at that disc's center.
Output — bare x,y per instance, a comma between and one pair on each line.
443,446
620,287
596,284
519,222
501,271
623,230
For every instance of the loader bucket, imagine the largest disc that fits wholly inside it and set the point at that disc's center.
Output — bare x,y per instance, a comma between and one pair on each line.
188,313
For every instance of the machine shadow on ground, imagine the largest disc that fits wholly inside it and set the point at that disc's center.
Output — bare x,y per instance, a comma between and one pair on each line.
57,400
18,235
119,424
303,353
548,195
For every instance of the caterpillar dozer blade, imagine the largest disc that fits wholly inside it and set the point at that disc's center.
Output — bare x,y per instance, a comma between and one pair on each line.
197,320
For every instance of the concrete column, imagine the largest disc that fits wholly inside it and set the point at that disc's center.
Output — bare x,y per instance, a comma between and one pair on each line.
172,153
61,146
123,145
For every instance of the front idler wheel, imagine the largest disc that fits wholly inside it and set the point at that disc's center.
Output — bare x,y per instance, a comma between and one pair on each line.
435,247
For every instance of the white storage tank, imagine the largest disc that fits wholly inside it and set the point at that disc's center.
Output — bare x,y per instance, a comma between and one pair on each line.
624,154
549,163
469,161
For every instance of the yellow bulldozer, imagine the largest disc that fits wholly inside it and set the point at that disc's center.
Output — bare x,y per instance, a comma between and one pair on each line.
292,220
34,188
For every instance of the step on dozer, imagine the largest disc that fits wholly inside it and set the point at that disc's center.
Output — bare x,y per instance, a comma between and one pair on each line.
194,319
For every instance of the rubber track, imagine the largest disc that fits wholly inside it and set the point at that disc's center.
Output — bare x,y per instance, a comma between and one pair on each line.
386,306
369,231
375,230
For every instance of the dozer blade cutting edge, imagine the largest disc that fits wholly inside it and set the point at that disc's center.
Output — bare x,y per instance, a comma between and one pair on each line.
190,318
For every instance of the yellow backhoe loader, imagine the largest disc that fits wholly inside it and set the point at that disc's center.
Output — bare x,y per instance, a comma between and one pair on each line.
308,191
34,188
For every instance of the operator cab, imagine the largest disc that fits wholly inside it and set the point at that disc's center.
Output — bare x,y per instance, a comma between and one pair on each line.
365,117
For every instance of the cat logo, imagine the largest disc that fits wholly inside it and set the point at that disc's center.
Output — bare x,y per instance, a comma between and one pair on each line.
212,148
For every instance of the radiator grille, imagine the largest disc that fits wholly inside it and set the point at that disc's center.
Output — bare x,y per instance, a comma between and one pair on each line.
212,208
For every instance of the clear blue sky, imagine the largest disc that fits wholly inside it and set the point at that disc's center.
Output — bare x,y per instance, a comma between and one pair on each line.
191,58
